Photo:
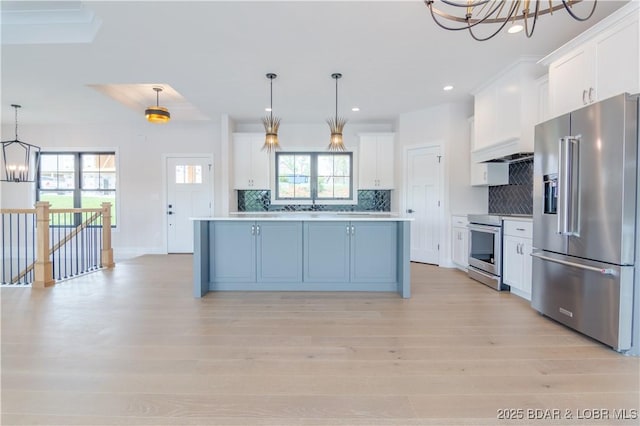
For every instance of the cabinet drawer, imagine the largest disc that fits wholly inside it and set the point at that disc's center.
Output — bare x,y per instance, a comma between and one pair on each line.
518,228
460,221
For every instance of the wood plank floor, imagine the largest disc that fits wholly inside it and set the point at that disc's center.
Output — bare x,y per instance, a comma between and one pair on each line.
131,346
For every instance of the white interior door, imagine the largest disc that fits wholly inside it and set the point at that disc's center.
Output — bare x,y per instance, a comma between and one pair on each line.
189,191
423,203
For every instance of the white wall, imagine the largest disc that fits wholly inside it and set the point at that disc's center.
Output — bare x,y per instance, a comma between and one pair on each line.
444,126
139,150
316,136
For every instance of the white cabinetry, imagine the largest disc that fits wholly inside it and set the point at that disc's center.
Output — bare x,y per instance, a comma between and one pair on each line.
600,63
460,242
250,163
489,174
505,111
486,174
516,249
376,159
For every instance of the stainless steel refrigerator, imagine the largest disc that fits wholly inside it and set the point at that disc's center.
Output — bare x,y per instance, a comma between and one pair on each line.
585,221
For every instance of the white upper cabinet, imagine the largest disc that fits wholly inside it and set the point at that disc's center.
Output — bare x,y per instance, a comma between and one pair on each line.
506,111
486,174
250,163
600,63
376,161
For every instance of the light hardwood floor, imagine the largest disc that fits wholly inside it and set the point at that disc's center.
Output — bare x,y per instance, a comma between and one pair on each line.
131,346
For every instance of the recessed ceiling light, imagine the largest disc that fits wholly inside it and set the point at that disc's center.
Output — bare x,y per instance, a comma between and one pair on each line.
515,29
267,109
355,109
447,88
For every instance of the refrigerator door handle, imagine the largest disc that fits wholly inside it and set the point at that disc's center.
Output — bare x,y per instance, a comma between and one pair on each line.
603,271
573,211
563,187
568,191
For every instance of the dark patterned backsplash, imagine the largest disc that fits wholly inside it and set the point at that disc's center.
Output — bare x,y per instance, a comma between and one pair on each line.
517,197
260,201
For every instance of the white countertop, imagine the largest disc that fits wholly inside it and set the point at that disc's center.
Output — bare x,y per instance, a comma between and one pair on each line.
310,216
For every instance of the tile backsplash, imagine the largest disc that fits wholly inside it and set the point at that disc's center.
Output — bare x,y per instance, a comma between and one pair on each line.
260,201
517,197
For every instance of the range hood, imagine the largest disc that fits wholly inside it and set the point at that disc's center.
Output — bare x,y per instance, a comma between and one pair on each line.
513,158
508,151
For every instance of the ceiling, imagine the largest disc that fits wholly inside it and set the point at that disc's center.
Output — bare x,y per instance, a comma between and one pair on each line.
61,59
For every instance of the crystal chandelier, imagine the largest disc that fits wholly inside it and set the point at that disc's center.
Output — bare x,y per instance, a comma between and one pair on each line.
494,15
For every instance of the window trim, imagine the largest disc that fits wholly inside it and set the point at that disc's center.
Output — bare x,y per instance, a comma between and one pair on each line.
275,196
77,190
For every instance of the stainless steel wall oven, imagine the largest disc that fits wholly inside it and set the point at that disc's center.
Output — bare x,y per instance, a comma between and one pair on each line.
485,250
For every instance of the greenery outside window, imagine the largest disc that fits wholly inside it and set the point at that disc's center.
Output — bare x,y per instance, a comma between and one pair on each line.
314,176
78,180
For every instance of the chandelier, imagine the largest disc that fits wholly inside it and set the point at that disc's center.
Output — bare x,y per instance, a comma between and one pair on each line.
336,124
20,159
494,15
271,123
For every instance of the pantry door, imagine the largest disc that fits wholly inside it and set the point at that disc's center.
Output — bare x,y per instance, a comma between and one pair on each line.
189,194
423,202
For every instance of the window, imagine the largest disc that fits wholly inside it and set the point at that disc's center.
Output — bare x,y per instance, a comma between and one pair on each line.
313,176
78,180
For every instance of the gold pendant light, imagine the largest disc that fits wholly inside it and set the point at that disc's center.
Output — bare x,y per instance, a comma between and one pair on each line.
157,114
336,124
271,123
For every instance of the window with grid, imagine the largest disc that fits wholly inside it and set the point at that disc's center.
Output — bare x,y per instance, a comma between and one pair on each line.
78,180
313,175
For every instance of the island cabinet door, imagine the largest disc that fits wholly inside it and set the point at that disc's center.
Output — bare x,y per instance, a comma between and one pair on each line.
233,251
374,248
326,251
279,251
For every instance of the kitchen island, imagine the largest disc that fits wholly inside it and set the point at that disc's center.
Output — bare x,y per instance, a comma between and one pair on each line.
302,252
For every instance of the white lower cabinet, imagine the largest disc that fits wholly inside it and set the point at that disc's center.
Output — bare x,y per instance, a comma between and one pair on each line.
460,242
516,251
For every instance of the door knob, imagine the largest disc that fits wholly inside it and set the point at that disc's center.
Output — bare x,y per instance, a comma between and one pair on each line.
410,211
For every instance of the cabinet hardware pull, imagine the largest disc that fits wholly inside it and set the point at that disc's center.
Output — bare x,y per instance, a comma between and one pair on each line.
584,97
348,230
353,230
520,229
253,230
590,94
257,229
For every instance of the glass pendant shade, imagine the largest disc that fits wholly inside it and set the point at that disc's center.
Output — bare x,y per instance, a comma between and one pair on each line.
336,124
271,123
157,114
19,159
336,143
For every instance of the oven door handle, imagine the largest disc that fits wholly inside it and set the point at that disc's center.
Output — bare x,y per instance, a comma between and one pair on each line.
483,228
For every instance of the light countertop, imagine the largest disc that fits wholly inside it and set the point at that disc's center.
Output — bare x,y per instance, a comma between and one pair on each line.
310,216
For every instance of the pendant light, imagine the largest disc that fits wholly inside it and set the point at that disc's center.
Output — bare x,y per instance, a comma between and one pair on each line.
336,124
271,123
20,159
157,114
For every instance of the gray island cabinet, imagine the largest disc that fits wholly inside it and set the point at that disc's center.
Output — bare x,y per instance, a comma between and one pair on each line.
301,253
